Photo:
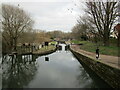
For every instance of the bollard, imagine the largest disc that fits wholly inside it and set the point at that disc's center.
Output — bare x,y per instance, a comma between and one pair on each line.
46,58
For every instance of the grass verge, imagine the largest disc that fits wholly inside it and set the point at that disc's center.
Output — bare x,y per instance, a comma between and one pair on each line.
44,49
91,47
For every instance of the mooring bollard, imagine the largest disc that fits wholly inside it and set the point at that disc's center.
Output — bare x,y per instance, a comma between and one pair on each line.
46,58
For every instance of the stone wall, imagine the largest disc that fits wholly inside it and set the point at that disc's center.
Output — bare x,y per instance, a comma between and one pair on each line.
109,74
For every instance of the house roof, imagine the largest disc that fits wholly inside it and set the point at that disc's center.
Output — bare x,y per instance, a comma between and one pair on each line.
117,27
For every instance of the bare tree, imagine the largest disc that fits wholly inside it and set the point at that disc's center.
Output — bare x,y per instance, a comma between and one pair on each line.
103,15
15,22
83,29
75,32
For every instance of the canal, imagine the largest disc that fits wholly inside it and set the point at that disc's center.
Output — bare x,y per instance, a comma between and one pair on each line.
57,70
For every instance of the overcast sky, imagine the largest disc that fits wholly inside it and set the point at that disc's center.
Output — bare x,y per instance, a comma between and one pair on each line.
51,15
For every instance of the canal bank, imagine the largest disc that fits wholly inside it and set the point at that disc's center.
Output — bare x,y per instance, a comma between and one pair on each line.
45,52
40,52
108,73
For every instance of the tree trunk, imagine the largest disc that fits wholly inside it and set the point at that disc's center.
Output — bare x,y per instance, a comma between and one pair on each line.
106,40
106,36
118,40
11,45
15,44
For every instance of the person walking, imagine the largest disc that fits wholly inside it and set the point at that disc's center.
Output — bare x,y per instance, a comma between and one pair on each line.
97,53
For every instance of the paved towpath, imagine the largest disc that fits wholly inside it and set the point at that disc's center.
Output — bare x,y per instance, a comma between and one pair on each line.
113,61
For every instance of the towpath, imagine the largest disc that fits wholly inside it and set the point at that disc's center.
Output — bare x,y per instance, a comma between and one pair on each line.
113,61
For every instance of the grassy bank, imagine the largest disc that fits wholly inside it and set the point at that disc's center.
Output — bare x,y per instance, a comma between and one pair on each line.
44,49
91,47
53,42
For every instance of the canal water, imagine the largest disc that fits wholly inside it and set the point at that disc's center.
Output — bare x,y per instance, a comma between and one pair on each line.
57,70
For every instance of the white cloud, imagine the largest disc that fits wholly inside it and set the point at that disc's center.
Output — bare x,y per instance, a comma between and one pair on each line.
55,15
35,0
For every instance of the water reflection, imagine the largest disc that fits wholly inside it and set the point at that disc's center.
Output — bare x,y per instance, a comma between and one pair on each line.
18,70
0,61
61,71
96,81
84,79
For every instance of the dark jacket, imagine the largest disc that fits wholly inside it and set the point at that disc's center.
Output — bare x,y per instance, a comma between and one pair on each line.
97,50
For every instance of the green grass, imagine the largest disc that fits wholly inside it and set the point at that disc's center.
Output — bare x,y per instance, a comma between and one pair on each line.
44,49
53,42
27,50
91,47
77,42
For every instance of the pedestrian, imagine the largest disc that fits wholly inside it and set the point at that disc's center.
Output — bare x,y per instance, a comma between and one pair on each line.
97,53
